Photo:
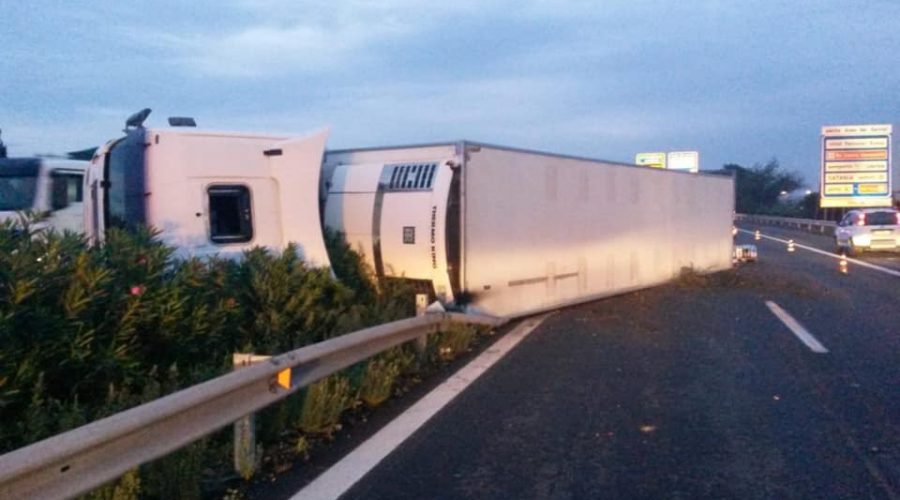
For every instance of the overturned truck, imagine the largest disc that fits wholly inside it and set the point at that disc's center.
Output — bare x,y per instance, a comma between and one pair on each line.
505,231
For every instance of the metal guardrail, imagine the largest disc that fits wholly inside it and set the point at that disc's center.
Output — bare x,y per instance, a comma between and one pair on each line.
812,225
84,458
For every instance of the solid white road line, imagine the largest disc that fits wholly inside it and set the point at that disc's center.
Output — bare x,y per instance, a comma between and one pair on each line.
341,476
795,326
858,262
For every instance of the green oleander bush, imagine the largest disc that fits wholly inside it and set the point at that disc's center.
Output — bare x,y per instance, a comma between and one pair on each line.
87,331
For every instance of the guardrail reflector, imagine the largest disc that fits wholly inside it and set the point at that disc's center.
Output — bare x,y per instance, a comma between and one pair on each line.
284,378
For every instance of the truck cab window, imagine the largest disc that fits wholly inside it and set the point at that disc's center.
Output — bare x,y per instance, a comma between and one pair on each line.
230,218
67,189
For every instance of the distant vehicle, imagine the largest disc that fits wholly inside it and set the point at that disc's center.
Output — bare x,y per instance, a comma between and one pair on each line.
745,253
42,185
871,229
50,186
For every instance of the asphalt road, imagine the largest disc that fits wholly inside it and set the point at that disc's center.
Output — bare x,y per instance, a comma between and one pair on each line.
886,259
691,390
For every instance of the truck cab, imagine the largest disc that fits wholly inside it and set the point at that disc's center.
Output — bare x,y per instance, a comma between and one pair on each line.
209,192
43,185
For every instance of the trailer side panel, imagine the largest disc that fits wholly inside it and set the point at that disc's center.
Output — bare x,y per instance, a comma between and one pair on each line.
543,231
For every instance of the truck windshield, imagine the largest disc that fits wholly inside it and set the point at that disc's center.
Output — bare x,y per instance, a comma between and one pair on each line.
18,184
124,173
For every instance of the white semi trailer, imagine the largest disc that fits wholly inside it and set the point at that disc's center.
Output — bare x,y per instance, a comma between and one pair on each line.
523,231
507,231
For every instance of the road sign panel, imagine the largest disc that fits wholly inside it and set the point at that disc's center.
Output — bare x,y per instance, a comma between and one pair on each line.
856,166
855,143
857,177
684,160
655,160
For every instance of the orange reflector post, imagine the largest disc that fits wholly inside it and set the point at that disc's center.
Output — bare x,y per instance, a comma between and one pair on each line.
790,245
284,378
842,264
756,235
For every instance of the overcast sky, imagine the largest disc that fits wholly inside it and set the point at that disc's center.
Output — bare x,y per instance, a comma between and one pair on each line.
740,81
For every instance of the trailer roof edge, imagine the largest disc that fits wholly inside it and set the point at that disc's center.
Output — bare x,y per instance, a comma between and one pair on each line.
468,143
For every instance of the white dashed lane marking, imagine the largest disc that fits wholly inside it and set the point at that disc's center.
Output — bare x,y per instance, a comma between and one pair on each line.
796,328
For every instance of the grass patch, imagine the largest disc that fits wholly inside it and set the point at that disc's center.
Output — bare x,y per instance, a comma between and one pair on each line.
381,375
746,277
323,403
447,345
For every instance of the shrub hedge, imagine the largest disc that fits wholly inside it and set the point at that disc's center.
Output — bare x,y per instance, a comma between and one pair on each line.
88,331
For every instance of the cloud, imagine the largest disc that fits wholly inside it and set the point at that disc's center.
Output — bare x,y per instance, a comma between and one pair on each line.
299,37
539,112
270,50
743,82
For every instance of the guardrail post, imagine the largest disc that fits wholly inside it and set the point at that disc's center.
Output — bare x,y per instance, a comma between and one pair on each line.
421,342
246,458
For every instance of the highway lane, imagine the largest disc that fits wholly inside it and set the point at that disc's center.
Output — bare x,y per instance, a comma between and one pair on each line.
858,317
688,390
887,259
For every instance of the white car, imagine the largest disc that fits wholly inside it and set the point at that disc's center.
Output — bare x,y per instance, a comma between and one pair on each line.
871,229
